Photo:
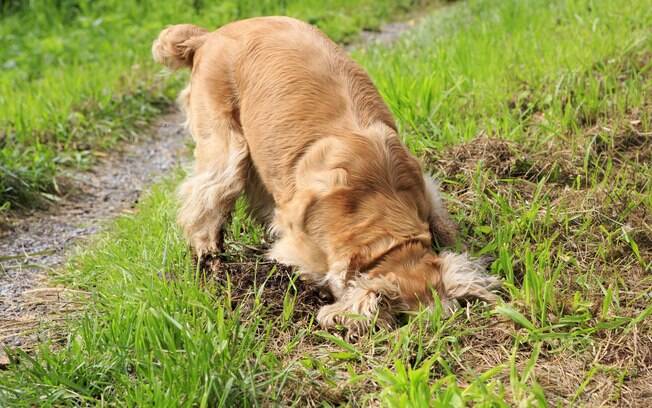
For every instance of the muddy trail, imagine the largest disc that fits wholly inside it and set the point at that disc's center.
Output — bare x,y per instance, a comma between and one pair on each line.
36,244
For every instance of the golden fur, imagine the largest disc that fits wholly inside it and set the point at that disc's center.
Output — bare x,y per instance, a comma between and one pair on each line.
279,112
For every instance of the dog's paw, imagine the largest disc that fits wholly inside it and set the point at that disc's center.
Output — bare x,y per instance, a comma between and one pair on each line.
204,247
206,241
331,317
355,325
208,262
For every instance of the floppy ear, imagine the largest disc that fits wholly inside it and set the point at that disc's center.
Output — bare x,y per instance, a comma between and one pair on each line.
458,276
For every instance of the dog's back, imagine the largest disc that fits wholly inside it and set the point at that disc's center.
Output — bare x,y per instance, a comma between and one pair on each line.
290,87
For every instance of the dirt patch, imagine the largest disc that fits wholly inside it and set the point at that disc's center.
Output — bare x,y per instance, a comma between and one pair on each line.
615,370
629,143
245,279
578,172
38,243
506,159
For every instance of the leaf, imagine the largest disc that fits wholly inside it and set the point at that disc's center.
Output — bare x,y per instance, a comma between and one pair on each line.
339,342
483,229
344,355
515,316
644,314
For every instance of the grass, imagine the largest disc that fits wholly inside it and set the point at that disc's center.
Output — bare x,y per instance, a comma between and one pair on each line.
77,75
536,117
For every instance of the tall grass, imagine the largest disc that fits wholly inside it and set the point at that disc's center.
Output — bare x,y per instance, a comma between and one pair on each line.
77,75
494,77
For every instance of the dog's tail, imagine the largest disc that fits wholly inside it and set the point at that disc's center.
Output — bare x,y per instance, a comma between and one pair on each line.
176,45
466,278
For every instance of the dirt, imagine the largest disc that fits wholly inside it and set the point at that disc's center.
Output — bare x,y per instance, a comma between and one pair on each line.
39,242
387,34
507,159
246,278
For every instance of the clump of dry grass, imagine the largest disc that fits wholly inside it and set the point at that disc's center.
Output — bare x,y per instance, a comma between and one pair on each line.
41,315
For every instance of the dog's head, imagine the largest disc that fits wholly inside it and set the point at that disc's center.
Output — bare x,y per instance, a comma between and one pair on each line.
413,273
400,279
407,277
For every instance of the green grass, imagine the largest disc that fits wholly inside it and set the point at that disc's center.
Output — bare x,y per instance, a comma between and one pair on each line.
536,117
77,75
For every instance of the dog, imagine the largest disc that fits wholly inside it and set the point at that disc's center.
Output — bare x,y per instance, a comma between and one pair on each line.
281,114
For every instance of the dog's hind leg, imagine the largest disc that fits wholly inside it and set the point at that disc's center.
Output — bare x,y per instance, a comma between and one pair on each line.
222,159
209,194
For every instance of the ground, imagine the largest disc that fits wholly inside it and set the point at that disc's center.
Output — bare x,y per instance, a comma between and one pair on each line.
536,118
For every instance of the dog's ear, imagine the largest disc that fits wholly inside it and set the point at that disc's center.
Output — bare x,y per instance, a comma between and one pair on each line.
459,276
357,262
434,264
443,229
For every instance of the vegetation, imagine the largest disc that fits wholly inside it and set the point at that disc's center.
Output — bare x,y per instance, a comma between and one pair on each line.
536,117
77,75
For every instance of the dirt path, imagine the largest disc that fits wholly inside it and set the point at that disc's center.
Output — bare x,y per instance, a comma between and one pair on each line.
40,242
387,34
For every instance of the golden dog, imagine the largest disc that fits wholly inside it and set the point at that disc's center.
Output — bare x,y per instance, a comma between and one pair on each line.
280,113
